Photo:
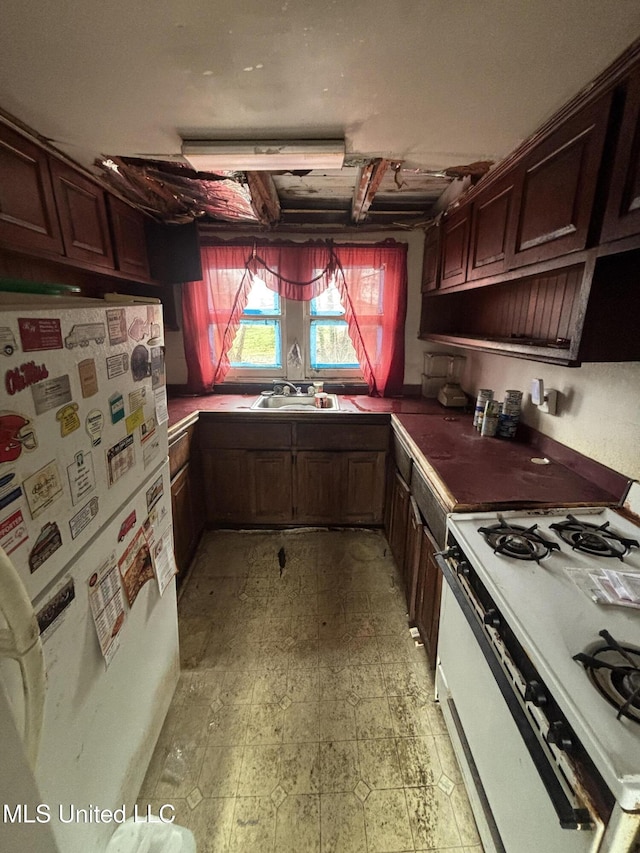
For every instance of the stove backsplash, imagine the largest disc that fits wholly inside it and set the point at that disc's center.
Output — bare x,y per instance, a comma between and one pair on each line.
632,501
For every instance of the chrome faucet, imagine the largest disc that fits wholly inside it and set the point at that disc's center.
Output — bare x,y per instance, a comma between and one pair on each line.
279,385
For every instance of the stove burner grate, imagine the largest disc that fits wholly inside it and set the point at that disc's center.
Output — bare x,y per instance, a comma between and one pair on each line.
594,539
521,543
614,670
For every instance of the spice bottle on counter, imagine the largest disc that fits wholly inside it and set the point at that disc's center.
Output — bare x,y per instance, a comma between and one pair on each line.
484,394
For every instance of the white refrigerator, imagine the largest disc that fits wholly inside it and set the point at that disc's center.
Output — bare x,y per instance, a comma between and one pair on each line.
88,619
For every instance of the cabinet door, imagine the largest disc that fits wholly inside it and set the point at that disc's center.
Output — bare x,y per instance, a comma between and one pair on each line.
491,229
129,239
318,487
363,487
555,188
455,247
28,217
399,520
184,528
269,486
412,558
428,592
622,215
83,217
431,259
226,486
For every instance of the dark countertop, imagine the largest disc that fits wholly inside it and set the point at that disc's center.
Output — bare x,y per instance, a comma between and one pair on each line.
467,470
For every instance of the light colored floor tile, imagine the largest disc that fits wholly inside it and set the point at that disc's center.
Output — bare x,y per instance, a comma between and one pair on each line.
302,723
419,761
211,821
265,724
373,719
228,725
448,760
303,685
387,822
379,764
260,772
432,819
269,687
335,683
254,826
363,651
464,816
337,721
332,653
342,824
203,687
304,628
304,654
192,730
220,771
298,824
300,768
367,681
237,687
409,717
339,771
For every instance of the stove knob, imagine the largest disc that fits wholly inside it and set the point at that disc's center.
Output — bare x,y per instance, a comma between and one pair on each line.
560,735
534,692
492,617
464,568
452,553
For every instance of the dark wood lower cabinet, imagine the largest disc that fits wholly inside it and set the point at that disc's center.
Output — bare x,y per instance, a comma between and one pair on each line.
400,497
363,479
186,510
269,485
428,589
413,552
318,483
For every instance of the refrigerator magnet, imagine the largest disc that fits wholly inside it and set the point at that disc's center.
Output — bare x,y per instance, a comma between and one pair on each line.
135,419
39,333
13,532
82,334
49,617
16,434
51,393
136,566
154,493
138,330
140,366
10,489
117,326
94,424
137,398
7,341
42,488
120,459
69,420
83,518
117,365
82,478
19,378
116,407
88,377
48,541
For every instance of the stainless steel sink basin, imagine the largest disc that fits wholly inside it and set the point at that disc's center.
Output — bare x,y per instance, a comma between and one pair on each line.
294,403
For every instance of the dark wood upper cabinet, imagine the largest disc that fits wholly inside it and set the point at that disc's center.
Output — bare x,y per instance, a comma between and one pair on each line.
28,218
83,217
455,247
555,187
129,239
492,228
622,214
431,259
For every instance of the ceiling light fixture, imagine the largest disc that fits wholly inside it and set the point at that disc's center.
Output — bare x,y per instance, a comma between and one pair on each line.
271,155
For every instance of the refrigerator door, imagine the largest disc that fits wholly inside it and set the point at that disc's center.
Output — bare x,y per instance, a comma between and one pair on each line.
81,425
110,642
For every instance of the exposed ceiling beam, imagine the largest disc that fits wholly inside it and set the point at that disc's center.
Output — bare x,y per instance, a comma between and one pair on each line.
264,197
371,176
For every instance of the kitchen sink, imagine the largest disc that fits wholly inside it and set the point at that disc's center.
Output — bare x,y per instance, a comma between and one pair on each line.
294,403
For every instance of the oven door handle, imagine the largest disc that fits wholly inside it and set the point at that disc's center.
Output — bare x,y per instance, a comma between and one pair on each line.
568,816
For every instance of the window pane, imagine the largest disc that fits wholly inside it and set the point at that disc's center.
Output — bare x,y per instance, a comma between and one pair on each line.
261,299
328,303
257,344
331,345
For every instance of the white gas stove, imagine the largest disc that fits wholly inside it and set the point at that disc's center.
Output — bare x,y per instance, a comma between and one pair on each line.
530,586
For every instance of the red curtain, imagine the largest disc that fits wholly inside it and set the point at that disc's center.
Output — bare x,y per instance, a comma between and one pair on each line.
372,281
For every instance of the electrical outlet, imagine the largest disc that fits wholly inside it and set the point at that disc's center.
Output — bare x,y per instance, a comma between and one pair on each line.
550,404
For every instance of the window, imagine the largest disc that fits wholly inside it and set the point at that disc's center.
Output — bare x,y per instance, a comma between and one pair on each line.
314,337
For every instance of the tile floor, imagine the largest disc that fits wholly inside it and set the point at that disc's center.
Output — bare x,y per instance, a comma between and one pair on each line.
304,718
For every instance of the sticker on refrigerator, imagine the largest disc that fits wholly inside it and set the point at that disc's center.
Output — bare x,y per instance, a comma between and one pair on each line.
120,459
83,334
7,341
135,419
161,548
150,441
69,419
136,566
88,377
127,525
49,617
140,367
83,518
117,325
19,378
107,606
42,488
51,393
16,434
94,424
138,330
13,532
162,408
116,407
137,398
154,493
117,365
157,367
48,541
39,334
10,489
82,479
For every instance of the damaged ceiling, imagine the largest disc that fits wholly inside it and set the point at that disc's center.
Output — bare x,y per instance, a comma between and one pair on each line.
425,94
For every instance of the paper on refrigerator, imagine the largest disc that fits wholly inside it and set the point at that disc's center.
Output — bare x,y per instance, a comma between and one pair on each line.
107,606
